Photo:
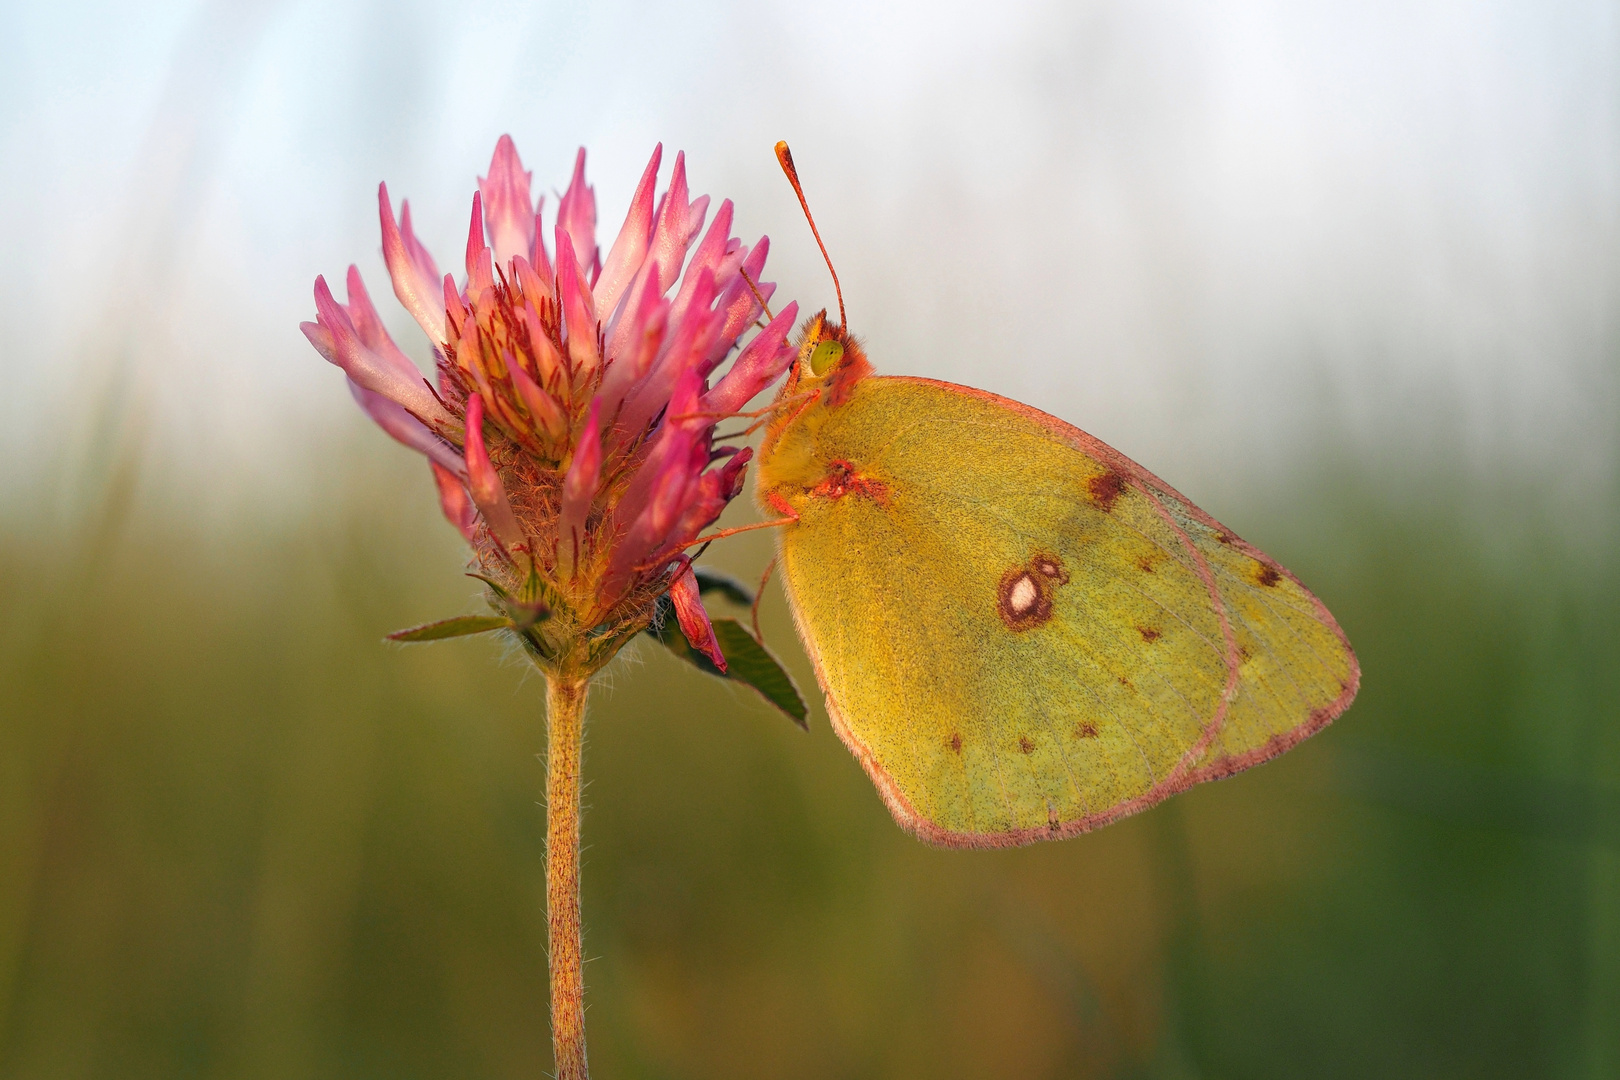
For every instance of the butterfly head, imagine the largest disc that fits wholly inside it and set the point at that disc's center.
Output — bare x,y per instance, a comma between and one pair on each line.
831,360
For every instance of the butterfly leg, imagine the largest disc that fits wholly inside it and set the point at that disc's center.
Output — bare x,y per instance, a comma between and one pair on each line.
759,594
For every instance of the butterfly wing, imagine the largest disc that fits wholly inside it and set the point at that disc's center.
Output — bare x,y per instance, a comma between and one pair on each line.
1024,635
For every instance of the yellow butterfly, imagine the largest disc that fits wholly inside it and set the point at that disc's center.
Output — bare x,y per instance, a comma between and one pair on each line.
1021,633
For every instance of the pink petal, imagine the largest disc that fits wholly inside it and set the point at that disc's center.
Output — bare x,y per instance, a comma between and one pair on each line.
731,473
579,311
481,282
543,409
759,365
470,352
684,345
320,337
630,248
678,222
484,484
579,489
634,341
537,250
646,535
416,280
369,326
504,411
660,494
497,406
407,429
480,266
547,360
455,502
739,303
576,215
696,213
694,620
672,453
710,255
716,489
455,313
509,213
368,369
413,246
534,287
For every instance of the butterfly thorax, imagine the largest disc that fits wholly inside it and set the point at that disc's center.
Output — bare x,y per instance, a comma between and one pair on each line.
793,459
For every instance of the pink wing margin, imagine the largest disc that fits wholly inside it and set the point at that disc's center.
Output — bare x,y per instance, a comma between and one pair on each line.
1187,772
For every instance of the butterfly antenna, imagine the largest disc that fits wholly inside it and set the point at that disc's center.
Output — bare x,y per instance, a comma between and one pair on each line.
755,290
785,156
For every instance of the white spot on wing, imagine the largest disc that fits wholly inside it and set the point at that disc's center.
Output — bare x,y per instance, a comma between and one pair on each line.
1023,594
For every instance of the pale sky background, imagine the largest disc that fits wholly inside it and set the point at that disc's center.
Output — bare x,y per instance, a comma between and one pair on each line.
1232,238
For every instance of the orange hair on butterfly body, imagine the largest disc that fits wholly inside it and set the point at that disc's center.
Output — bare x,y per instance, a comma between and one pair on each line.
851,369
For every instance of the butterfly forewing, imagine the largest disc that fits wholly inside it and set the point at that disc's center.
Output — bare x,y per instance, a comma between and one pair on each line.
1022,639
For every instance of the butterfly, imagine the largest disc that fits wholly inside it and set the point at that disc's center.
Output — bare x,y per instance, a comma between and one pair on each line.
1021,633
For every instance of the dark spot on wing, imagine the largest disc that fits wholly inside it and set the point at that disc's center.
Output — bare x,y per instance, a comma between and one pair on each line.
1222,538
956,742
1049,566
1086,731
1146,563
1025,594
1105,489
1123,681
1266,575
1149,634
1026,744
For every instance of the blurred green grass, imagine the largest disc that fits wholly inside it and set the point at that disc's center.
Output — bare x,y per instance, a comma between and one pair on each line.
240,836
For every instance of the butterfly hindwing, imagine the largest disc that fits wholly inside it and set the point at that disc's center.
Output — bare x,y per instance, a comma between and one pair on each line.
1023,635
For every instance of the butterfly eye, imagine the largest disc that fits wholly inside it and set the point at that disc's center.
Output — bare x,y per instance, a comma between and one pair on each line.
824,357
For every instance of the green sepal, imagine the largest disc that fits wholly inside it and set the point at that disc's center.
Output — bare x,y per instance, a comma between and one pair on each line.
523,615
747,660
460,626
500,590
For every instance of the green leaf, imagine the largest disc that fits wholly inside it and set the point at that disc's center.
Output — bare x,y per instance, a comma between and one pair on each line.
711,580
747,661
460,626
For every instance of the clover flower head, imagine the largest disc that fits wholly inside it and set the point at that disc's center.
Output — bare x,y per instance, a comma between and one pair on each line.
571,424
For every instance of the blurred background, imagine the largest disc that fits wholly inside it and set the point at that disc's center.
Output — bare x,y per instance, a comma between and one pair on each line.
1348,274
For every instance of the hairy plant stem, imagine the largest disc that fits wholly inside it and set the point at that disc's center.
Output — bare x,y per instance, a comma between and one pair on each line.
565,725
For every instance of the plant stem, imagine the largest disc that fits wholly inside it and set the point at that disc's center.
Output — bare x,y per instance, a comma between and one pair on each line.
565,716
